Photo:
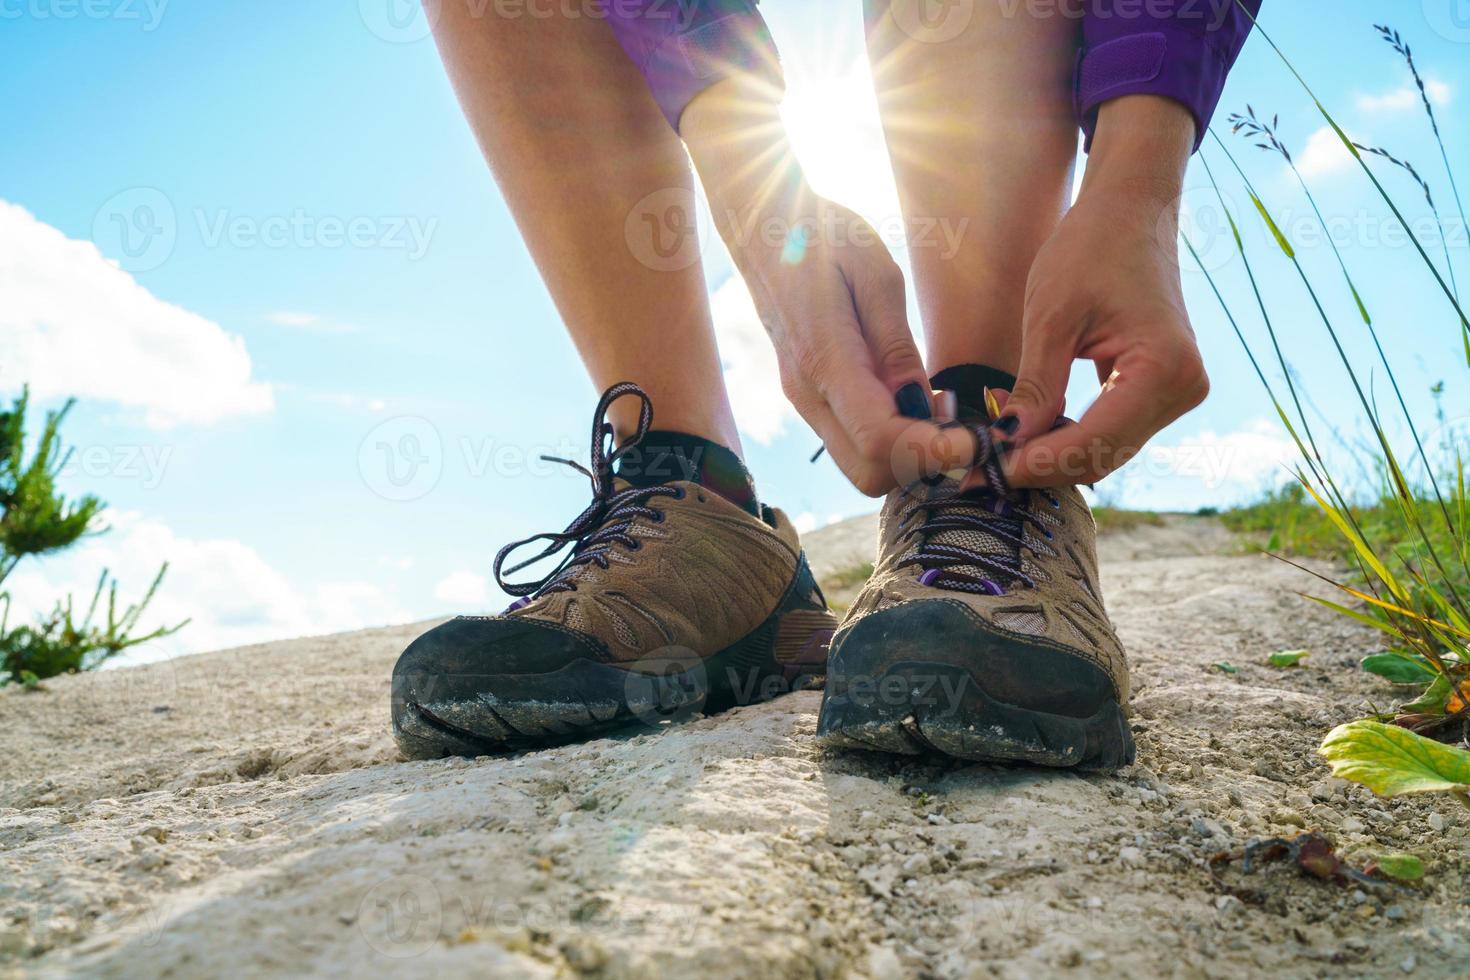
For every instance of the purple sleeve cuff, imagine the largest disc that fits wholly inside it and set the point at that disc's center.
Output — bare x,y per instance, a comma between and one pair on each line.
1180,49
683,47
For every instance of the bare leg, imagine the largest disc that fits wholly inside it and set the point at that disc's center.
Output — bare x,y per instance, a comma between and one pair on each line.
578,145
980,130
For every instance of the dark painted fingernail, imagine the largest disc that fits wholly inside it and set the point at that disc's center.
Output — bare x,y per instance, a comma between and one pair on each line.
1006,425
912,402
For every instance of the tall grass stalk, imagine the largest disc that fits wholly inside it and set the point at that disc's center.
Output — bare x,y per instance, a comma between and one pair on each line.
1397,43
1402,490
1409,590
1377,185
1260,129
1408,168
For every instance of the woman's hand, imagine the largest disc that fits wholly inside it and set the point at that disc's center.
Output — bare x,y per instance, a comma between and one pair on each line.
828,292
1106,288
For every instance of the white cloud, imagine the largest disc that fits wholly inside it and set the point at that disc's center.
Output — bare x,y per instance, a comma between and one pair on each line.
805,522
1258,450
751,374
229,593
1324,154
74,323
1440,94
463,589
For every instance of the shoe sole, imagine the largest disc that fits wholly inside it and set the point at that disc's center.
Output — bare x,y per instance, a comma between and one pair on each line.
587,699
907,706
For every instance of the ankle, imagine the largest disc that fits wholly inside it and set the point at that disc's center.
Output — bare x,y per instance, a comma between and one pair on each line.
664,456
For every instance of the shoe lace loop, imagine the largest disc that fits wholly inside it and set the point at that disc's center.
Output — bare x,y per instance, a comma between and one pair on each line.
606,521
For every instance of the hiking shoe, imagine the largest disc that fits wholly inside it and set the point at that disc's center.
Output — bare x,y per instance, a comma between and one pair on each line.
981,633
672,601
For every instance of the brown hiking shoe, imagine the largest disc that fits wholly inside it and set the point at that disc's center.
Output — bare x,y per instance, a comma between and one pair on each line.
981,634
673,600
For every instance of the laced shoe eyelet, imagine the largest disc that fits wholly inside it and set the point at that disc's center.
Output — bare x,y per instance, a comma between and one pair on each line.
680,493
658,517
637,545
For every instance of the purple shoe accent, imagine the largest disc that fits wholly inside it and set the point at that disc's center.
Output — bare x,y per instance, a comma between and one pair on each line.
992,587
523,601
930,576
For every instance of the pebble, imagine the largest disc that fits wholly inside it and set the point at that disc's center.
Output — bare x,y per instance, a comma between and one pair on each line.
1131,856
916,864
1396,913
1436,822
1229,904
1409,963
1206,827
1094,902
1352,825
883,964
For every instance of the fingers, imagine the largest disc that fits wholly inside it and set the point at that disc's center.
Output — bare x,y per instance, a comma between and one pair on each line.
1048,347
877,287
1148,389
881,449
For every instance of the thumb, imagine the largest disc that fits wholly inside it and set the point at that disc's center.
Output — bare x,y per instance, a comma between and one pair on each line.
1041,383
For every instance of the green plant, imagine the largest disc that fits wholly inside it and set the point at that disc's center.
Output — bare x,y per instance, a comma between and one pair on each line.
1408,542
59,643
36,519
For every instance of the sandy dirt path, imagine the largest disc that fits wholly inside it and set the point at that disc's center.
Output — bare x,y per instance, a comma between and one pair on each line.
245,813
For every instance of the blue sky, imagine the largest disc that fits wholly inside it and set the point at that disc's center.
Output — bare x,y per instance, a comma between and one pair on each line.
315,282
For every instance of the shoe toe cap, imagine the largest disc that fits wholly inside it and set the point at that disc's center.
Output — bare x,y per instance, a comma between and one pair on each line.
1031,672
448,681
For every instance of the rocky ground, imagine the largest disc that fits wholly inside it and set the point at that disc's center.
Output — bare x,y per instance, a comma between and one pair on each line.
245,812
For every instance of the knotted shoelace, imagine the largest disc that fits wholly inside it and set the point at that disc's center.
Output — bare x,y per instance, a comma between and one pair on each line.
606,522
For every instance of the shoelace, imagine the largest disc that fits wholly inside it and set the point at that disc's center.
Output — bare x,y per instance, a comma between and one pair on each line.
993,510
607,520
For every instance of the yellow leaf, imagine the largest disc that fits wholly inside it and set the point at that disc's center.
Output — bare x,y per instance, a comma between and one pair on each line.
1393,761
